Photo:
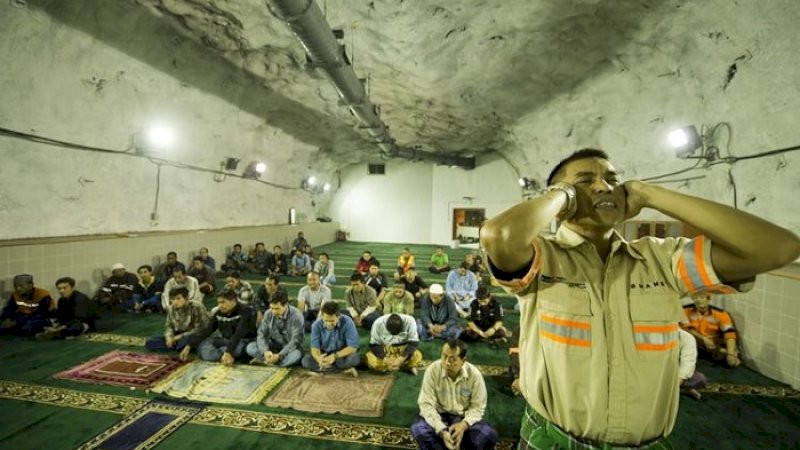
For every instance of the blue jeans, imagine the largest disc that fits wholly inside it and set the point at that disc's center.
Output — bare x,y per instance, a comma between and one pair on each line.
451,332
212,348
257,353
150,302
368,321
339,365
159,344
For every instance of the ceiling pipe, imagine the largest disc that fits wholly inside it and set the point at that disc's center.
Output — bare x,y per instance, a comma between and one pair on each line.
306,21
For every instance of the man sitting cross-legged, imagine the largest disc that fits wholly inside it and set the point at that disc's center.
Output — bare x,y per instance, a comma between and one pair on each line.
185,318
398,301
326,269
362,302
28,310
180,279
74,313
452,401
280,335
147,293
204,274
236,260
266,291
311,297
300,264
236,323
243,289
713,329
438,316
393,344
117,292
461,286
415,285
334,343
440,262
485,319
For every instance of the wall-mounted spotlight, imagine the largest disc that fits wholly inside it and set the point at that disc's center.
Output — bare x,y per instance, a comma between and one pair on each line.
528,184
254,170
685,141
311,180
326,187
160,136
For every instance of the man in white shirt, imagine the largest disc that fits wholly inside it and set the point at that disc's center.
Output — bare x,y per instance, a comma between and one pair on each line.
180,279
310,299
691,380
452,402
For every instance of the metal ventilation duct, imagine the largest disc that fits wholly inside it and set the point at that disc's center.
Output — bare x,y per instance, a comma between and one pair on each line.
305,19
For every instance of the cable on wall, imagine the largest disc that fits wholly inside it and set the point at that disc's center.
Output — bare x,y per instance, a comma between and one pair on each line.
158,161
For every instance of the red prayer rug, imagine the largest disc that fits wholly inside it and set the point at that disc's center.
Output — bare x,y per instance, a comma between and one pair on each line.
121,368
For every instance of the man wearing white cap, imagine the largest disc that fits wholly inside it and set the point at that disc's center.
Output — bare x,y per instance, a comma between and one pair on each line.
118,288
438,317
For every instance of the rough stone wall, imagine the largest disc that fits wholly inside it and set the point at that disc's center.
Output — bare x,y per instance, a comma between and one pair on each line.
69,78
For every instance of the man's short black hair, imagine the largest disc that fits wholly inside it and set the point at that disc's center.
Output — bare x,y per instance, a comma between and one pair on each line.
394,324
237,245
356,277
180,290
324,254
229,294
584,153
454,343
197,258
69,280
464,265
275,279
259,243
145,266
482,292
279,297
330,308
234,274
178,269
172,254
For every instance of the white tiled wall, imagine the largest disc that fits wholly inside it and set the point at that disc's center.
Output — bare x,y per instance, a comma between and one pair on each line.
89,260
768,321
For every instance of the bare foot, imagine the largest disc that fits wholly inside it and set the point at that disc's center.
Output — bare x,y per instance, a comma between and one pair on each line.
351,371
413,371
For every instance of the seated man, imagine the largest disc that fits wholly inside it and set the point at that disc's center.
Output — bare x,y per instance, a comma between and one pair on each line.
279,339
118,289
475,263
300,264
363,264
236,260
461,286
299,242
393,344
310,299
265,292
362,302
398,301
180,279
452,401
237,328
334,343
207,259
74,314
325,268
242,289
185,319
28,310
415,285
712,328
205,275
690,379
278,263
310,252
404,262
259,260
438,317
147,293
485,319
165,271
376,280
440,262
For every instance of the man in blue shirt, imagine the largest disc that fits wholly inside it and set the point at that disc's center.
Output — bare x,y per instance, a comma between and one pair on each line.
334,343
280,335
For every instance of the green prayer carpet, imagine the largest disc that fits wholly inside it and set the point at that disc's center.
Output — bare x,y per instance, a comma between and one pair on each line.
41,412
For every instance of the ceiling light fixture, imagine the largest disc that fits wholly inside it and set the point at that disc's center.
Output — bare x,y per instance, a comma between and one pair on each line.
685,141
254,170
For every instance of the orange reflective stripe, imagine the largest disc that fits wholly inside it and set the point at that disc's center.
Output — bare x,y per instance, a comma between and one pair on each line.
657,347
685,275
655,328
565,340
513,351
698,259
566,323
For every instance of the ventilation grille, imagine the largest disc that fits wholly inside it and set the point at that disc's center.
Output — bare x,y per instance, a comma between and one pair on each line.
376,169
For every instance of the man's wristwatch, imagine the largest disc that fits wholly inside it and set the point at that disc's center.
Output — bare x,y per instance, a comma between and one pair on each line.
572,204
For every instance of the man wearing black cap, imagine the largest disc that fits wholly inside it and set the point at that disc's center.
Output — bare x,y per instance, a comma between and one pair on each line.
27,310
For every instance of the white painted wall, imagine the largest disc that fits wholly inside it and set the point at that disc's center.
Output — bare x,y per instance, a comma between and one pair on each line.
385,208
60,82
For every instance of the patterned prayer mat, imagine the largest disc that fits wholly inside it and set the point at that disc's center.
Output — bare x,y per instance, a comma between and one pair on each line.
213,382
146,427
314,393
121,368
